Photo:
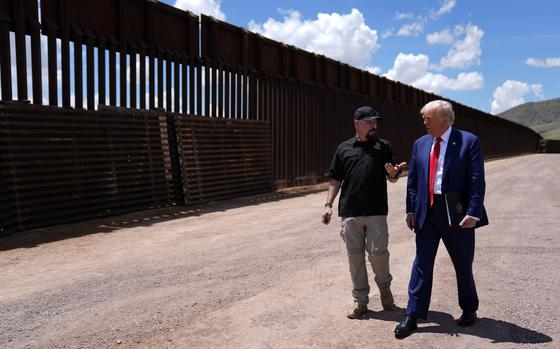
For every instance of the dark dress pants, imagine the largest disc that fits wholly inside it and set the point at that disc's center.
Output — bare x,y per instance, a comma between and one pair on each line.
460,246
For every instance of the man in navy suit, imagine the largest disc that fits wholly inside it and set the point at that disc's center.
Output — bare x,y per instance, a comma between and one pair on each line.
444,161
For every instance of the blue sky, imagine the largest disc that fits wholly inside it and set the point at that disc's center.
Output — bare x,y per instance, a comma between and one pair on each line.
491,55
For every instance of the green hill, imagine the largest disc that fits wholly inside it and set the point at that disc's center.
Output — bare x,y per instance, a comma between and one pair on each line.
543,117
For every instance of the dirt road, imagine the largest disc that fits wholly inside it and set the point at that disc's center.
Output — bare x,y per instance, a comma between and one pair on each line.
264,273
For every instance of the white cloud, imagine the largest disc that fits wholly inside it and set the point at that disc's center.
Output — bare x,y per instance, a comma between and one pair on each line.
537,90
387,33
373,70
512,94
464,52
207,7
446,7
413,69
344,37
443,37
411,29
416,27
403,15
463,82
543,63
408,68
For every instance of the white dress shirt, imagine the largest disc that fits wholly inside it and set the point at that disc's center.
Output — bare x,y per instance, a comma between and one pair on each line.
439,168
441,159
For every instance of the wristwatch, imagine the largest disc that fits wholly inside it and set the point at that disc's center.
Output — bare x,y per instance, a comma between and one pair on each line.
328,205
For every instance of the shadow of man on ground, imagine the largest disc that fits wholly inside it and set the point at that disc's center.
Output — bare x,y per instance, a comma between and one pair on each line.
497,331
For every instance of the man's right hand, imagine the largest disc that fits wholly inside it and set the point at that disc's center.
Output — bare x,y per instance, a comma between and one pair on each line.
410,220
327,215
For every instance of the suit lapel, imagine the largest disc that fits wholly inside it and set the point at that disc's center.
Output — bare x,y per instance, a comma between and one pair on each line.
450,152
425,151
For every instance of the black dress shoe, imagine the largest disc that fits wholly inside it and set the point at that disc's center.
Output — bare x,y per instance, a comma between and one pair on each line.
405,328
467,319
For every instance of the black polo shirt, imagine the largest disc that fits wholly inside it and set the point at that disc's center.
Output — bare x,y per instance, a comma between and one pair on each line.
360,166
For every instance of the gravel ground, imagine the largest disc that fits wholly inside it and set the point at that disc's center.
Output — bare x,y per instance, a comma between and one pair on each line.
263,272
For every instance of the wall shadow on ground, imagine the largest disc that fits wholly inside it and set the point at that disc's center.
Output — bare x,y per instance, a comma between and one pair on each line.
35,237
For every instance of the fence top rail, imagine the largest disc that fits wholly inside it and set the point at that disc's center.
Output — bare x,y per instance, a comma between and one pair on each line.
172,35
127,23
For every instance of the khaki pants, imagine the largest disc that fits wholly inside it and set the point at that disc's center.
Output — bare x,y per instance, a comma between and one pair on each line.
361,234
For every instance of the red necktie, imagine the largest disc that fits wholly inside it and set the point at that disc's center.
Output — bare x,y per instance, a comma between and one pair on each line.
434,155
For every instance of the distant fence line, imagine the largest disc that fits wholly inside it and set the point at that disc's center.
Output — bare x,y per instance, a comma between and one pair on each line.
551,146
134,55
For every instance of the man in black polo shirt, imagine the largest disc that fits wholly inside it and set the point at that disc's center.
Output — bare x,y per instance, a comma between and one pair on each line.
362,166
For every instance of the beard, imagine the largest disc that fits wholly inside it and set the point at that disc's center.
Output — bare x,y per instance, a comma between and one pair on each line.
371,134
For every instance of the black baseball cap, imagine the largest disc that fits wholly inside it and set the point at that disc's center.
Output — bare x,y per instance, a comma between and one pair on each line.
366,113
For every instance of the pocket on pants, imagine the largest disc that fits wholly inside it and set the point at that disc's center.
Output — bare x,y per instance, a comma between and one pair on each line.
342,234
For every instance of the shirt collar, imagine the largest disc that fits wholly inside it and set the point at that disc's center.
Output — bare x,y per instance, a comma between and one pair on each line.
445,136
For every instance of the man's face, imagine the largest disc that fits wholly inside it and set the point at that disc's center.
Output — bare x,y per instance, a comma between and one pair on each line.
366,128
436,123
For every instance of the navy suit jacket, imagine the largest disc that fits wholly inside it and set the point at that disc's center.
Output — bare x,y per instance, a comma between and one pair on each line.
463,171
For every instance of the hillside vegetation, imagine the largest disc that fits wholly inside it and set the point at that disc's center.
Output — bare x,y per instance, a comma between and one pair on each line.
543,117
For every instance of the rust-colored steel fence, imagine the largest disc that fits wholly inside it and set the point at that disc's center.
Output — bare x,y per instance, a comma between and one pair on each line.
145,55
233,156
58,164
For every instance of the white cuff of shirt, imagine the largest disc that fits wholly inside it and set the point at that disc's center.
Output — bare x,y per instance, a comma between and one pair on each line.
475,218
